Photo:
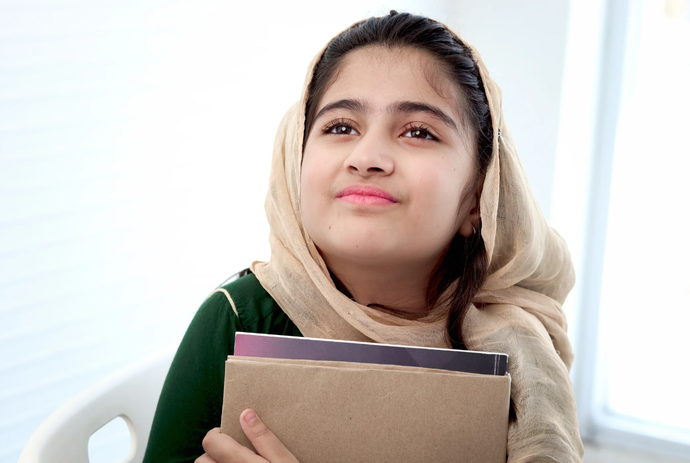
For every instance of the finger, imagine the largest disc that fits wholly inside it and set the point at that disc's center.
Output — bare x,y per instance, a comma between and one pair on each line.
205,459
264,441
222,448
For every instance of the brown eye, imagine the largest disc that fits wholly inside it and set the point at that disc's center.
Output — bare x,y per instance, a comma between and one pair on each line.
419,133
342,129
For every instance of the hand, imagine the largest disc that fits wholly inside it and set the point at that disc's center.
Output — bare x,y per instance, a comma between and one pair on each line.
221,448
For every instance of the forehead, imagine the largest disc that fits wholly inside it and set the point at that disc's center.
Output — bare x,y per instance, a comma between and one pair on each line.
380,74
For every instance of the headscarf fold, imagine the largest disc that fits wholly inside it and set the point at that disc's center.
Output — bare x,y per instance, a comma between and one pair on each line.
518,310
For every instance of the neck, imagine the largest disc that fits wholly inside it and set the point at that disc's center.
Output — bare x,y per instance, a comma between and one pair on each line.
395,289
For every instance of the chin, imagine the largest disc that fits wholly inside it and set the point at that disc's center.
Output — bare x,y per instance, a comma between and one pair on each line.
366,252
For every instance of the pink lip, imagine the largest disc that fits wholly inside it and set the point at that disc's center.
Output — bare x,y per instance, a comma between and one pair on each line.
366,195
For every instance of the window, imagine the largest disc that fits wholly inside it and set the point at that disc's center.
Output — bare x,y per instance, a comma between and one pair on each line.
633,295
645,292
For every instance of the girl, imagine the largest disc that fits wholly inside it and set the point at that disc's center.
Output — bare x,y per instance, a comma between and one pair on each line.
400,214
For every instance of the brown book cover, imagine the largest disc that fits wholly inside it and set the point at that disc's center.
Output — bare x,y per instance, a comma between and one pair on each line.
329,411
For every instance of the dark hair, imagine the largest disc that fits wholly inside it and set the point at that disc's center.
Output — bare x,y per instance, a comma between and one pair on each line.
465,258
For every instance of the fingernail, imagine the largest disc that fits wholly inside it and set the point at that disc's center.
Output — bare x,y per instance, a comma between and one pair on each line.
250,417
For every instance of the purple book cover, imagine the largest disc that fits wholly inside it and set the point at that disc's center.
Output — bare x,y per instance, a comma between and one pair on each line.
289,347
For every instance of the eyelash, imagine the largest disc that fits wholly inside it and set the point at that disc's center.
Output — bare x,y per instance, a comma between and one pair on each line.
337,123
421,128
410,128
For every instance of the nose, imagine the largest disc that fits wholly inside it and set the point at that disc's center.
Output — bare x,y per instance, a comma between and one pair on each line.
372,155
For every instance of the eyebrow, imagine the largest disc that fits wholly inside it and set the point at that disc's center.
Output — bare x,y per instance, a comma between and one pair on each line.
405,107
356,106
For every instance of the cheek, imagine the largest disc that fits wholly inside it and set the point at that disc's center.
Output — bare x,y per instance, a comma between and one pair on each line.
444,181
313,187
442,190
320,167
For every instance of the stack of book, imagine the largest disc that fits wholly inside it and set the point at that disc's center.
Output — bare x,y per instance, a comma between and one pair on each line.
344,401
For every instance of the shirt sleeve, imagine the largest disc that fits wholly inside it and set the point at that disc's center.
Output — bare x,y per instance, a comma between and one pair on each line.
191,400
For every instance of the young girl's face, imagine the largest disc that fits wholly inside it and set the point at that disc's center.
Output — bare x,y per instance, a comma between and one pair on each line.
388,167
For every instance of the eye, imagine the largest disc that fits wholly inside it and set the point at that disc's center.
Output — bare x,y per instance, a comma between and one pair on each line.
340,128
419,132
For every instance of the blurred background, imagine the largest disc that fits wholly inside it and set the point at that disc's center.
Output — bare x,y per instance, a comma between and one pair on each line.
135,145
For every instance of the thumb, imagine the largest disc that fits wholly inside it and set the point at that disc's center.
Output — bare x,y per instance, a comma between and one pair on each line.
264,441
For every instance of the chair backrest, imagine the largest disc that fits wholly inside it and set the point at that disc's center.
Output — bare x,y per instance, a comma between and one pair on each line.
131,393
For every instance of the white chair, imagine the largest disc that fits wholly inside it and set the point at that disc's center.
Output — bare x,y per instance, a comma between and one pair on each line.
132,394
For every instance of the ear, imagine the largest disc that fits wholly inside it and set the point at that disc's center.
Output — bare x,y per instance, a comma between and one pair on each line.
473,219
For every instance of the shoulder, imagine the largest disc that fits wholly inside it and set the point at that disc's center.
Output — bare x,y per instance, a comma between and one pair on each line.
251,305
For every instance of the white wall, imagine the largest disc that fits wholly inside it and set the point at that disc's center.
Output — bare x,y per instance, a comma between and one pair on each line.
135,141
523,43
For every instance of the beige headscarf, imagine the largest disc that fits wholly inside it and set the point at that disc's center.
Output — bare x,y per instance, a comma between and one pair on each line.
518,311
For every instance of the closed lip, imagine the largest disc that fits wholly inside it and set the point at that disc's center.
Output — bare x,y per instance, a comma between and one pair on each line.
366,191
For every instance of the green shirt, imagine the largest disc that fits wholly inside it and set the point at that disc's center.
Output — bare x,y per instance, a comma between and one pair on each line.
191,401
